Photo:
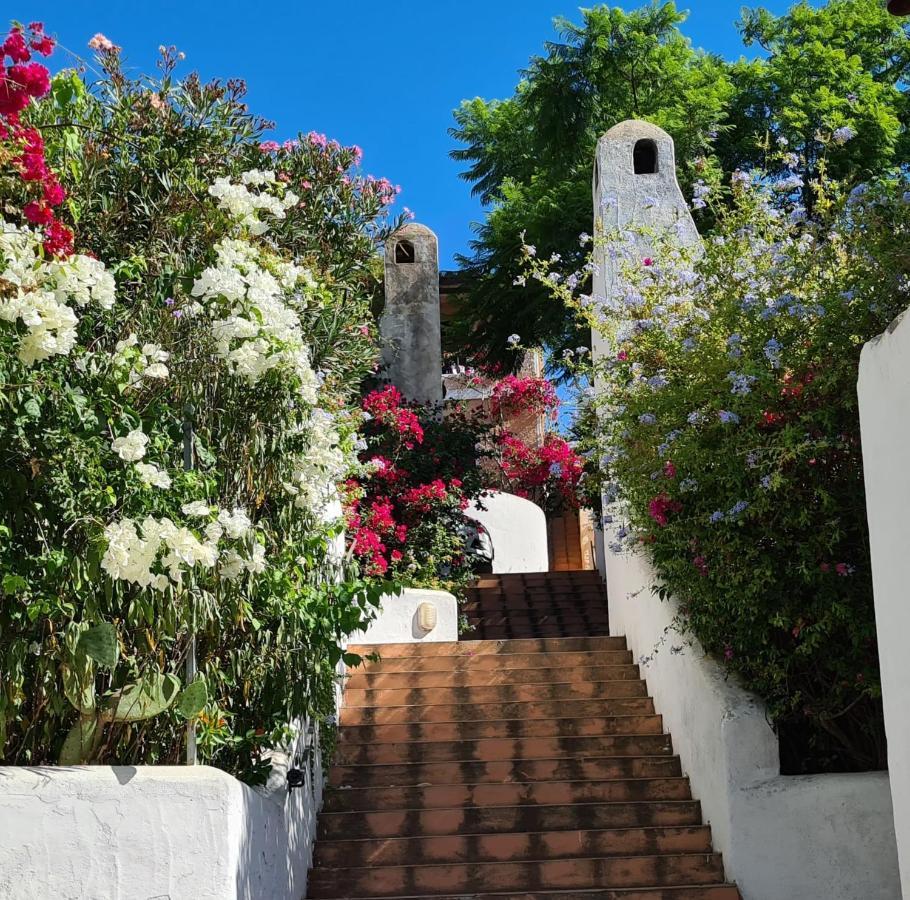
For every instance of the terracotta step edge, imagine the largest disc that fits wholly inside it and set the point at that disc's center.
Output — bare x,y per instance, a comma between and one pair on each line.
341,789
437,809
455,762
560,700
507,834
345,728
525,895
533,862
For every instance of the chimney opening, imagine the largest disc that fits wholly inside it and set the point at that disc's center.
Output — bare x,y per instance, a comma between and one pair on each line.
404,252
644,157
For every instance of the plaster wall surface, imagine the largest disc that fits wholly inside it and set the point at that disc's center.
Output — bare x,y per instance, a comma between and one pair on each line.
154,832
397,620
409,325
821,837
517,529
884,404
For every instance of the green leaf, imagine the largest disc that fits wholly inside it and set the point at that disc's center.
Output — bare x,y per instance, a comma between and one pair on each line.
352,659
144,700
81,742
13,584
193,698
100,644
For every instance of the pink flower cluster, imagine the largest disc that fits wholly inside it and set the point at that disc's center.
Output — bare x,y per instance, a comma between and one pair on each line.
523,395
385,405
661,506
554,468
22,81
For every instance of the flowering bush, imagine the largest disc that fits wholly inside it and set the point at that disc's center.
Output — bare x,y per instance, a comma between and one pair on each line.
549,474
419,473
523,395
728,437
218,313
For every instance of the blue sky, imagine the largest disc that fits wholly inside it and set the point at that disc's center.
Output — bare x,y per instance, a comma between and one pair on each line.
385,76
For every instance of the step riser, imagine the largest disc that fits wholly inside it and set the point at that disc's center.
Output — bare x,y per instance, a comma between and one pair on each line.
498,633
495,749
512,684
484,648
513,847
546,875
506,771
507,661
512,728
545,793
706,892
488,712
521,819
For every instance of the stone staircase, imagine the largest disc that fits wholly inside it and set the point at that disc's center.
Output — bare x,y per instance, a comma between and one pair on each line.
528,765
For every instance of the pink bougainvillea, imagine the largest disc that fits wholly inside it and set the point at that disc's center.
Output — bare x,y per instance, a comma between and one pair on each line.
514,395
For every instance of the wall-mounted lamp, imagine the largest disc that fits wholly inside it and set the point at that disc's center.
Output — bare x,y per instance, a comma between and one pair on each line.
426,616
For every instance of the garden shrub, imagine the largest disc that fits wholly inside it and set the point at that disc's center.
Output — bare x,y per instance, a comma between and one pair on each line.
727,437
219,300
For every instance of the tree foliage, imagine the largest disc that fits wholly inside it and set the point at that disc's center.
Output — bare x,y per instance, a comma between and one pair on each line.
530,156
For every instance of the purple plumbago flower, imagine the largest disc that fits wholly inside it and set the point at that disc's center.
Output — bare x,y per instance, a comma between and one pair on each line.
772,352
737,509
843,134
727,417
742,384
716,516
647,419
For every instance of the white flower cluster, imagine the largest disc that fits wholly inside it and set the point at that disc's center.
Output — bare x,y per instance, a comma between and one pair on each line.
148,360
324,464
245,205
134,553
41,293
254,327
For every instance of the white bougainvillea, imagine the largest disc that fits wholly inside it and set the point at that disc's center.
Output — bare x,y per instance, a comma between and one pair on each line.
245,205
41,294
324,464
254,325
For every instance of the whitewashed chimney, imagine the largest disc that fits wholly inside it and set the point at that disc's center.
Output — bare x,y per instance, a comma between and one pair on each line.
409,325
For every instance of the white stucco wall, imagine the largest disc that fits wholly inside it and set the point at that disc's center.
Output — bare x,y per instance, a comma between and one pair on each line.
396,623
154,832
821,837
518,530
884,405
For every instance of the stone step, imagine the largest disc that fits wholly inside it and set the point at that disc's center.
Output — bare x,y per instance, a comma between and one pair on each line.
545,660
433,880
489,749
541,793
382,714
702,892
513,847
513,630
446,689
520,728
484,648
506,771
511,819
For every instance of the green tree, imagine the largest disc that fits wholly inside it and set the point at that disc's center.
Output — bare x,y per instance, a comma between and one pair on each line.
840,66
843,66
531,155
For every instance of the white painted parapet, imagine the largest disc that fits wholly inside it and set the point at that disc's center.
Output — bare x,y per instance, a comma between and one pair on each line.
517,529
884,407
175,832
815,837
398,621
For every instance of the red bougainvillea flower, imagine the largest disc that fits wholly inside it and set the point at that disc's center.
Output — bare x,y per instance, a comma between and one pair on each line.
519,395
661,506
